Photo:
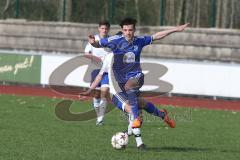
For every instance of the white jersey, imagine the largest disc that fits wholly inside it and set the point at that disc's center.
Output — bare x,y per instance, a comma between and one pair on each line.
98,52
113,85
106,68
106,64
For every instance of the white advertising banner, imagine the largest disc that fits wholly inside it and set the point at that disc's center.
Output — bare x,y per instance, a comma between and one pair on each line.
186,77
51,62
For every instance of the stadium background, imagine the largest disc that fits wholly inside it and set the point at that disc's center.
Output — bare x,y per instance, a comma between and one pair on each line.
37,36
206,13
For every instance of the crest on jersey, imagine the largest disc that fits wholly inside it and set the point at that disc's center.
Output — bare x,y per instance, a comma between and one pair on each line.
129,57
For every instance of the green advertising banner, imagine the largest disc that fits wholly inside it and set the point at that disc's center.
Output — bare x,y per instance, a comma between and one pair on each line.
20,68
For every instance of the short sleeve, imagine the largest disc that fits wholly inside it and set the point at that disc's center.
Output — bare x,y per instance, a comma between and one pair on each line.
106,63
146,40
88,48
104,68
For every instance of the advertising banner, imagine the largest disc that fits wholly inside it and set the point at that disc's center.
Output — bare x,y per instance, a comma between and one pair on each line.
20,68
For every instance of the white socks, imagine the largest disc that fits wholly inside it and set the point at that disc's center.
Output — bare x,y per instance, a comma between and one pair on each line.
138,138
135,131
96,102
100,107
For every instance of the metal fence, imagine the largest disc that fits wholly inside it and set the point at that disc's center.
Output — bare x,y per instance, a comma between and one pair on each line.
200,13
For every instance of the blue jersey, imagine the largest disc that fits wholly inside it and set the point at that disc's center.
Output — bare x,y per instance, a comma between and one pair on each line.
126,55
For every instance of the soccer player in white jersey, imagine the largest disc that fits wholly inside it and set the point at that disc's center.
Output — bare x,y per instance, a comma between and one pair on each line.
123,105
99,99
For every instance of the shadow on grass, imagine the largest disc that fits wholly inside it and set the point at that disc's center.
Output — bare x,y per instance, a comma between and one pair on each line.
178,149
187,149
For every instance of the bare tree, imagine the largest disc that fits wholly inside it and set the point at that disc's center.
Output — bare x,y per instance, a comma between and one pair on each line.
6,7
105,8
170,12
224,13
198,5
68,10
233,4
137,12
180,11
188,11
194,14
219,13
60,10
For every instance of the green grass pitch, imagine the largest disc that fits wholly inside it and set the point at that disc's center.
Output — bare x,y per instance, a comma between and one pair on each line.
29,129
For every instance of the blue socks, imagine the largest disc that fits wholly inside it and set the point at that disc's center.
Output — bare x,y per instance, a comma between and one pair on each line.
133,101
150,108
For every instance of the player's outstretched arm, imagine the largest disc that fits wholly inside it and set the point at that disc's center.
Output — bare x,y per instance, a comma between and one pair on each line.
93,42
93,85
162,34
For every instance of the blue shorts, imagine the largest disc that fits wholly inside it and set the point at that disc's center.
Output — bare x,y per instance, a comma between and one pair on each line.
140,81
104,82
120,99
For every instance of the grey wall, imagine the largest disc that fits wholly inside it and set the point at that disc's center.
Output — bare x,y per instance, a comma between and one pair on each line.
202,44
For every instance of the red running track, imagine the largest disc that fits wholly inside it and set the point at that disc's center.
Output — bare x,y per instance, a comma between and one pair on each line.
220,104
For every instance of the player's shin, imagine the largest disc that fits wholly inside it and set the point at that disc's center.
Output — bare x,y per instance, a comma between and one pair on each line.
130,120
102,108
133,101
96,104
152,109
137,134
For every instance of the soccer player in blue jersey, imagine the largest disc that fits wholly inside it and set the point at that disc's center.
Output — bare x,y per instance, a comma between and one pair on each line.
124,106
126,67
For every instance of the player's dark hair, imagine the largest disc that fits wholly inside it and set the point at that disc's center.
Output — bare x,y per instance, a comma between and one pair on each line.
128,21
104,23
